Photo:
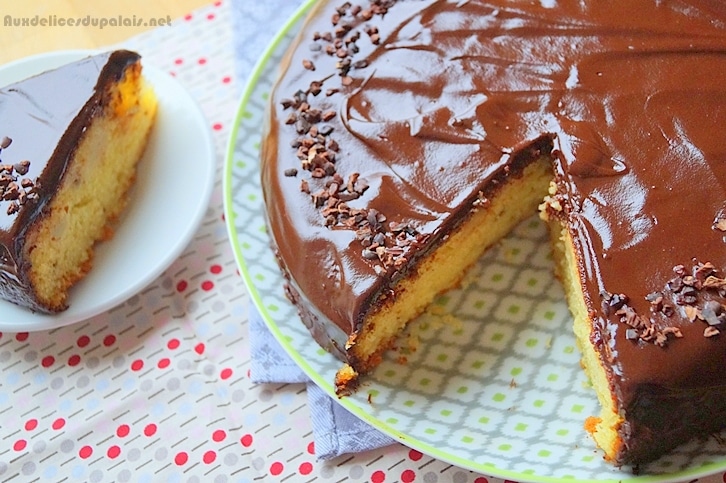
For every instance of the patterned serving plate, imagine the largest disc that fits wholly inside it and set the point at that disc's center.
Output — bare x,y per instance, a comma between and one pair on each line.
491,380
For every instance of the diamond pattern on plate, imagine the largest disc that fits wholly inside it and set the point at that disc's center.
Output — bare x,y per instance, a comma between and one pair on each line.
488,379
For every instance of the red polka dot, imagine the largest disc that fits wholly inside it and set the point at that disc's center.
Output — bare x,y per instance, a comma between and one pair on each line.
173,344
1,334
311,447
137,365
188,17
276,468
31,424
123,431
226,373
226,79
181,285
199,348
408,476
47,361
414,455
202,61
181,458
217,126
109,340
83,341
113,451
178,61
481,479
164,363
219,435
305,468
58,423
215,269
209,457
217,3
74,360
207,285
20,445
210,16
21,336
246,440
85,452
378,477
150,429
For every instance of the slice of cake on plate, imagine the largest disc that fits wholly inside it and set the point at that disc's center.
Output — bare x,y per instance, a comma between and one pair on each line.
71,141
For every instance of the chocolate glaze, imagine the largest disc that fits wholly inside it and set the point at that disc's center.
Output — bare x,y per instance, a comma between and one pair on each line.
631,98
45,116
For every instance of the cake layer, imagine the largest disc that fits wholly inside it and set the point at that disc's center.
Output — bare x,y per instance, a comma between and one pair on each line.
392,121
73,137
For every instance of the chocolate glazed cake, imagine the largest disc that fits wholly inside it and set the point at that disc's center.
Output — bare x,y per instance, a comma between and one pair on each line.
71,140
405,138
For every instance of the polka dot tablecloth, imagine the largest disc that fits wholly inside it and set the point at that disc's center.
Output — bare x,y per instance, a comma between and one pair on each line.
158,388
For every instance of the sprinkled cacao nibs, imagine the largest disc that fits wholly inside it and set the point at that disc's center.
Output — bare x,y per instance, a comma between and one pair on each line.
308,64
304,186
13,208
291,172
331,91
709,332
315,87
675,284
287,103
632,334
22,167
328,115
346,80
326,129
692,313
713,282
713,313
5,142
302,126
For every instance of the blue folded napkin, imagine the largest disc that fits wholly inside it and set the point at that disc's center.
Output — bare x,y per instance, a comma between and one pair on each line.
336,431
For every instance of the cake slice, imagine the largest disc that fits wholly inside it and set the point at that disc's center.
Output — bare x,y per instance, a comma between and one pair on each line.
71,141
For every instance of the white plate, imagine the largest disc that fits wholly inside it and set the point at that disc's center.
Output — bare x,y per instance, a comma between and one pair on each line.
171,194
495,384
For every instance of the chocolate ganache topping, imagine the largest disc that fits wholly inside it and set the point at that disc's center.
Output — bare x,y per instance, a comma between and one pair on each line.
42,120
425,105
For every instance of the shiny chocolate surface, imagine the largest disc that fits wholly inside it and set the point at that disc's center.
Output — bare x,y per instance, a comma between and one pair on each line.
42,119
437,100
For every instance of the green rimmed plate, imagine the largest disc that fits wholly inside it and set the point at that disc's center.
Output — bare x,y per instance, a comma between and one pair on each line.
494,383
